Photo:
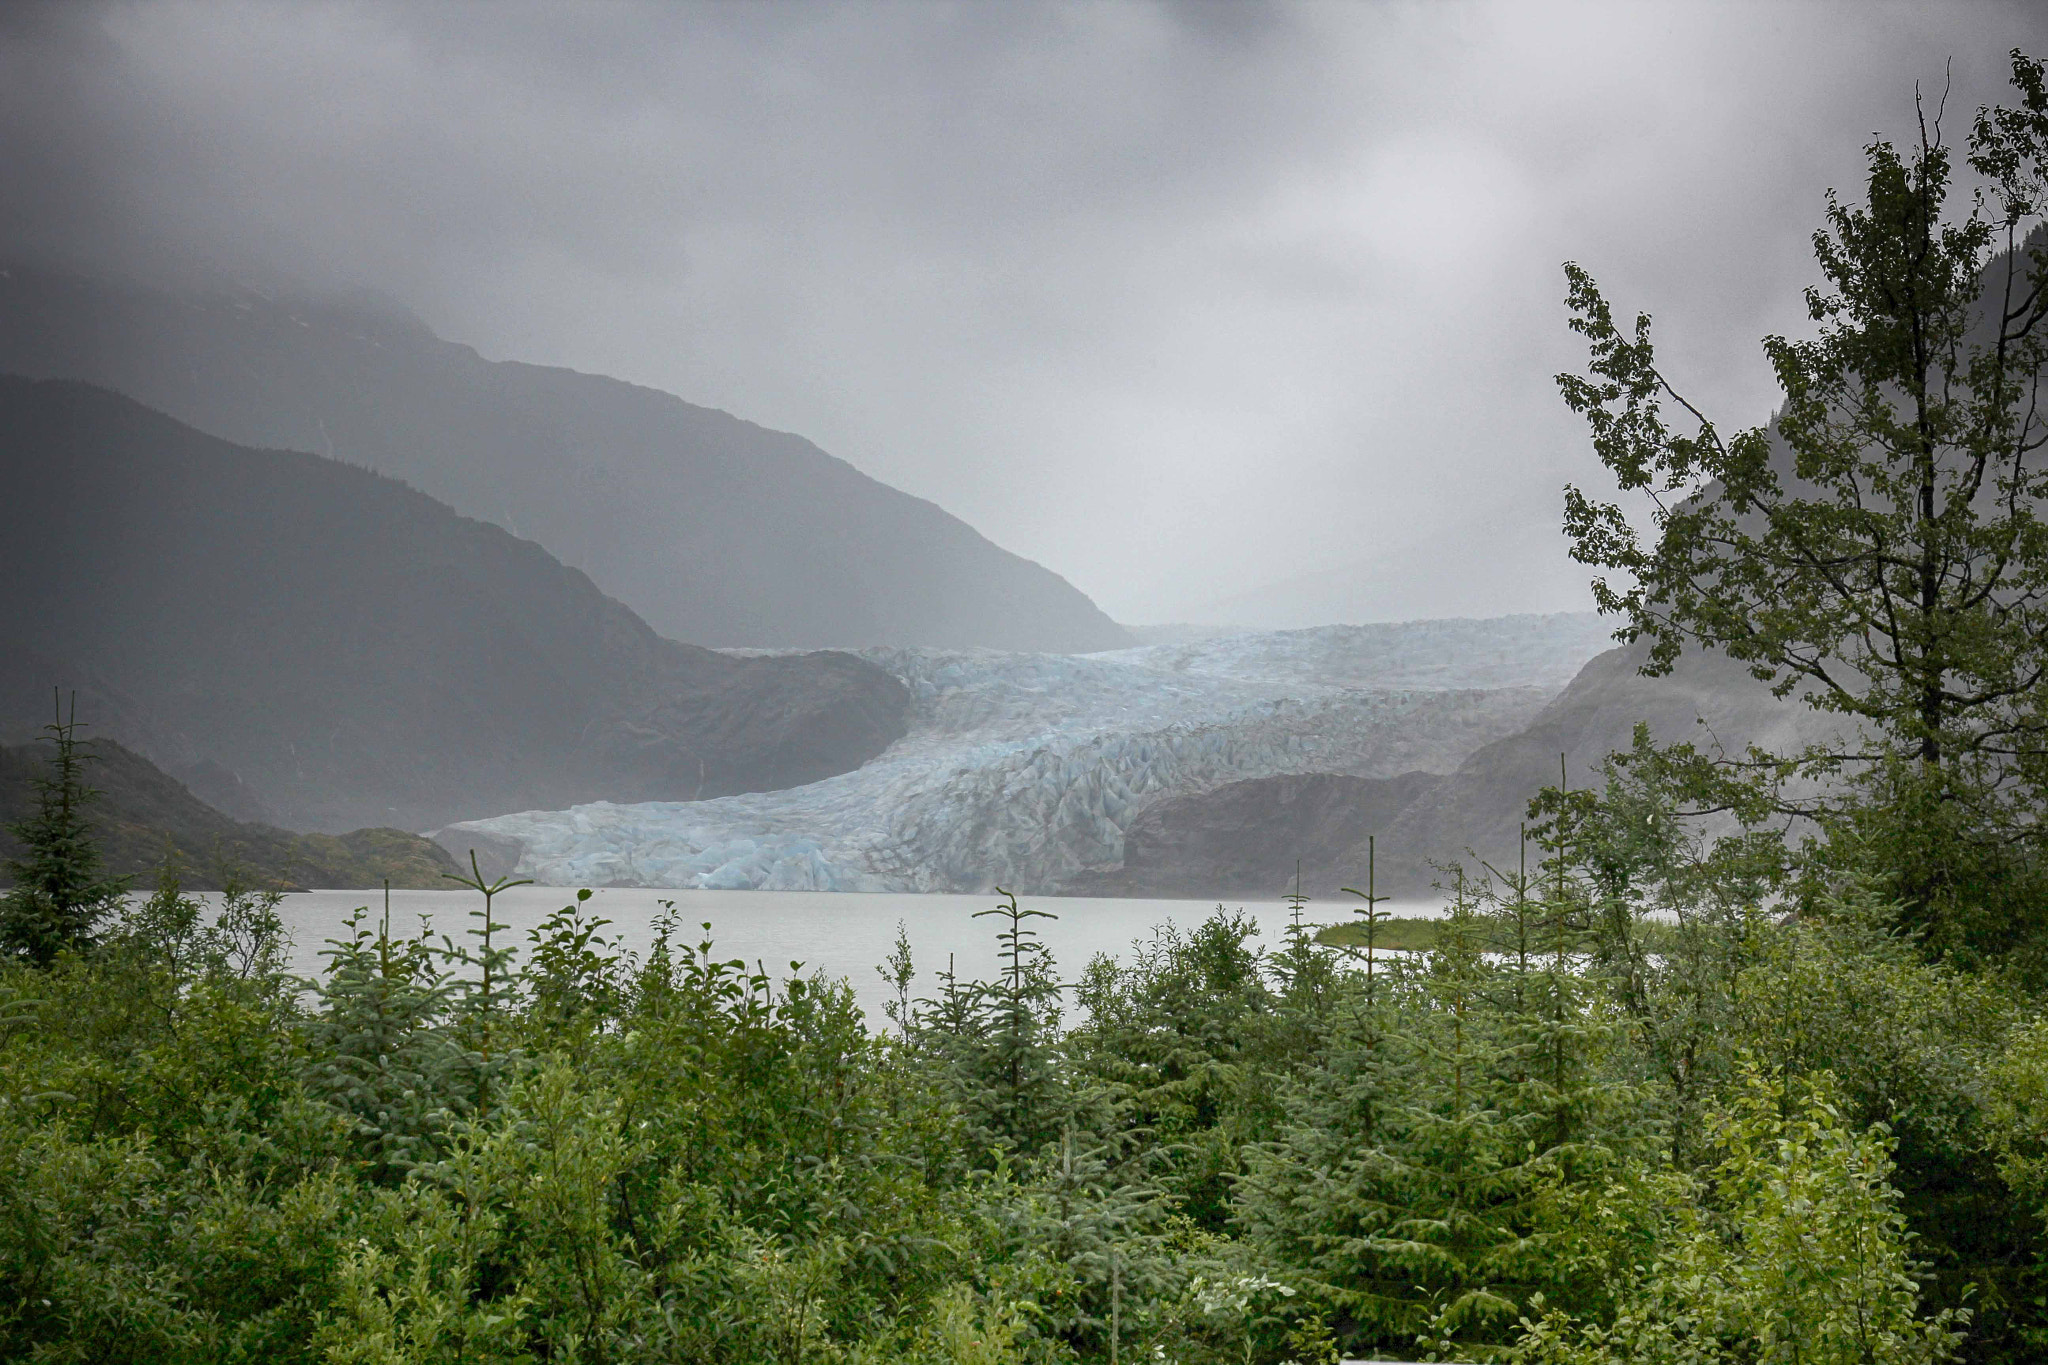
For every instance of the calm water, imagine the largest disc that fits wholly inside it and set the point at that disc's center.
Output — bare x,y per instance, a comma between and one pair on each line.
842,934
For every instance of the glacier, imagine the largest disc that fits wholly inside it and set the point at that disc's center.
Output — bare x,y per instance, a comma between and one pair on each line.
1020,770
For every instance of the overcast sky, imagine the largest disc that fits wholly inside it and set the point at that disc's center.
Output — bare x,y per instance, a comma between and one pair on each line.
1178,300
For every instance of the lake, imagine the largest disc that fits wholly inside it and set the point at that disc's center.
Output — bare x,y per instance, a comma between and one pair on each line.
843,934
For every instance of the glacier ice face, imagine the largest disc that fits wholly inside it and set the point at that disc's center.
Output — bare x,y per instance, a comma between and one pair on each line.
1019,770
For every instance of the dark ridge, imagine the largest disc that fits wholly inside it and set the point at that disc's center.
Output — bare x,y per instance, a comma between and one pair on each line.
339,650
711,528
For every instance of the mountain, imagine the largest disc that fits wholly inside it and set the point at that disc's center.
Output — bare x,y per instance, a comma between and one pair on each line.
144,816
713,529
344,651
1707,699
1246,837
1252,838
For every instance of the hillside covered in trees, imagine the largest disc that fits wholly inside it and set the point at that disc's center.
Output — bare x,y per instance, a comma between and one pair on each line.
146,820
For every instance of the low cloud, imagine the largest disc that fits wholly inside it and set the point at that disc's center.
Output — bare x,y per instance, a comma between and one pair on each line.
1178,299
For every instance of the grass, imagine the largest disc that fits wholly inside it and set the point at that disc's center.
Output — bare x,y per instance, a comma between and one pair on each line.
1411,935
1419,935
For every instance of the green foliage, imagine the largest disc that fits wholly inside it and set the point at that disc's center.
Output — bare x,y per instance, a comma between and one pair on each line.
1879,549
2019,1114
1230,1154
1428,1177
1790,1248
999,1041
382,1048
58,895
1392,934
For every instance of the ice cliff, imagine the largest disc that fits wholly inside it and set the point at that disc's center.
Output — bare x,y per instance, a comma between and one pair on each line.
1022,769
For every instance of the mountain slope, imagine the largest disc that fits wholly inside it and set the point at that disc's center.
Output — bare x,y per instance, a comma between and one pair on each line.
713,529
1254,838
144,815
1247,836
352,652
1707,699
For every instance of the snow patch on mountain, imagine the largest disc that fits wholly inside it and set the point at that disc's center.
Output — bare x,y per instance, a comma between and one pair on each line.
1506,651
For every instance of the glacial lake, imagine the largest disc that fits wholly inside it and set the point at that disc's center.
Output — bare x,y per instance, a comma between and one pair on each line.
840,933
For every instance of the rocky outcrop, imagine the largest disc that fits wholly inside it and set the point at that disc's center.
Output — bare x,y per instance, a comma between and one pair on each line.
710,528
1259,838
343,651
1243,838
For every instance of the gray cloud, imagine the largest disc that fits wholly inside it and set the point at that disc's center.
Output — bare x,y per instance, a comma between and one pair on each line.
1177,299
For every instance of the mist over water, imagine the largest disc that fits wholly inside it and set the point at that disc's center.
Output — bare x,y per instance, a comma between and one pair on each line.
841,934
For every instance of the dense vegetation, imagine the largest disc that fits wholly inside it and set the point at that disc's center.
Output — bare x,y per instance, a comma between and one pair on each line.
1670,1091
1878,550
1764,1140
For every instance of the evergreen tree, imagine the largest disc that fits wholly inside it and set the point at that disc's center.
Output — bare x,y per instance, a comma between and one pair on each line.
1178,1037
383,1050
59,895
485,999
1463,1167
1322,1193
1014,1083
